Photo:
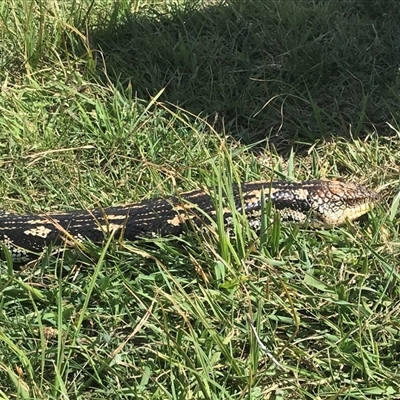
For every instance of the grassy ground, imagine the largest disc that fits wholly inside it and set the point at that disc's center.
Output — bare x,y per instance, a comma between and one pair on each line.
107,102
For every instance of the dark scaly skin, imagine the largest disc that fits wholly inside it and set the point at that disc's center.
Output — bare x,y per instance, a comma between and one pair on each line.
319,203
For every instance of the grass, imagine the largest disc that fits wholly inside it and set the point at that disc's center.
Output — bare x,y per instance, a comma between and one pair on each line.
105,103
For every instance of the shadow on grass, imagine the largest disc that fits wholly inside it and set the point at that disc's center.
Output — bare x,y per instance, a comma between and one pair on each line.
283,70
